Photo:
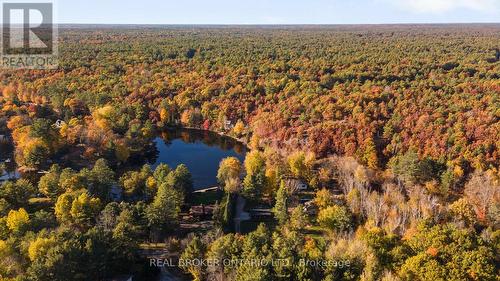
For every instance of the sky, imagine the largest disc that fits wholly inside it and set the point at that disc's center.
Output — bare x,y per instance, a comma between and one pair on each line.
276,11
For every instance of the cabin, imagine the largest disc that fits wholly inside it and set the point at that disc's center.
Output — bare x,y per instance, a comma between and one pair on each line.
295,184
228,125
310,208
202,211
302,185
59,123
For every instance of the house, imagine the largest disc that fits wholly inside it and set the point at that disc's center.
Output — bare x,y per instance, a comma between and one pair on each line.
59,123
302,185
295,184
310,208
202,211
228,125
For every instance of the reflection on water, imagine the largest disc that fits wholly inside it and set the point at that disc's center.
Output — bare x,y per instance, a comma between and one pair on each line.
7,164
200,151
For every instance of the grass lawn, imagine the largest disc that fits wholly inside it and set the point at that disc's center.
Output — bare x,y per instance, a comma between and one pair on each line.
251,225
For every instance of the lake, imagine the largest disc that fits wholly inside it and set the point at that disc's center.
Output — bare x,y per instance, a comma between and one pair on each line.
200,151
7,162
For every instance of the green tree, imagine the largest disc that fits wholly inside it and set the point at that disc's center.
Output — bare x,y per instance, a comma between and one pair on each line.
444,252
70,180
11,264
383,245
284,251
84,210
298,218
410,169
164,210
161,172
280,209
253,185
49,183
78,209
42,128
135,182
195,250
36,155
101,179
334,218
228,248
256,246
17,194
182,179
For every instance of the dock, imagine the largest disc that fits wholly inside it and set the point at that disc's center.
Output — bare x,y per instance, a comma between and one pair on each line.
215,188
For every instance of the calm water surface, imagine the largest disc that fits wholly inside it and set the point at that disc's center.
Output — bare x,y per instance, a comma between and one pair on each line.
200,151
7,159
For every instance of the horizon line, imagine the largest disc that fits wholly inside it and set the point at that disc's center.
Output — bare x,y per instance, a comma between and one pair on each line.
286,24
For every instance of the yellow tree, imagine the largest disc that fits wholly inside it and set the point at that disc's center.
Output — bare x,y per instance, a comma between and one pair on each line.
324,198
254,162
17,221
229,174
301,164
63,207
84,209
239,128
370,154
40,247
255,180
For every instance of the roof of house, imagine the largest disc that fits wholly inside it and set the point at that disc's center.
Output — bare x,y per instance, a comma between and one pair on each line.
202,210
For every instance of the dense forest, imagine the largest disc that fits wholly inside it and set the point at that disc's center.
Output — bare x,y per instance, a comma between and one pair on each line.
394,129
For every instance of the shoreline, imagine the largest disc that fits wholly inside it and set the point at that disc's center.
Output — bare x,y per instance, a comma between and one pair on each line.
222,134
